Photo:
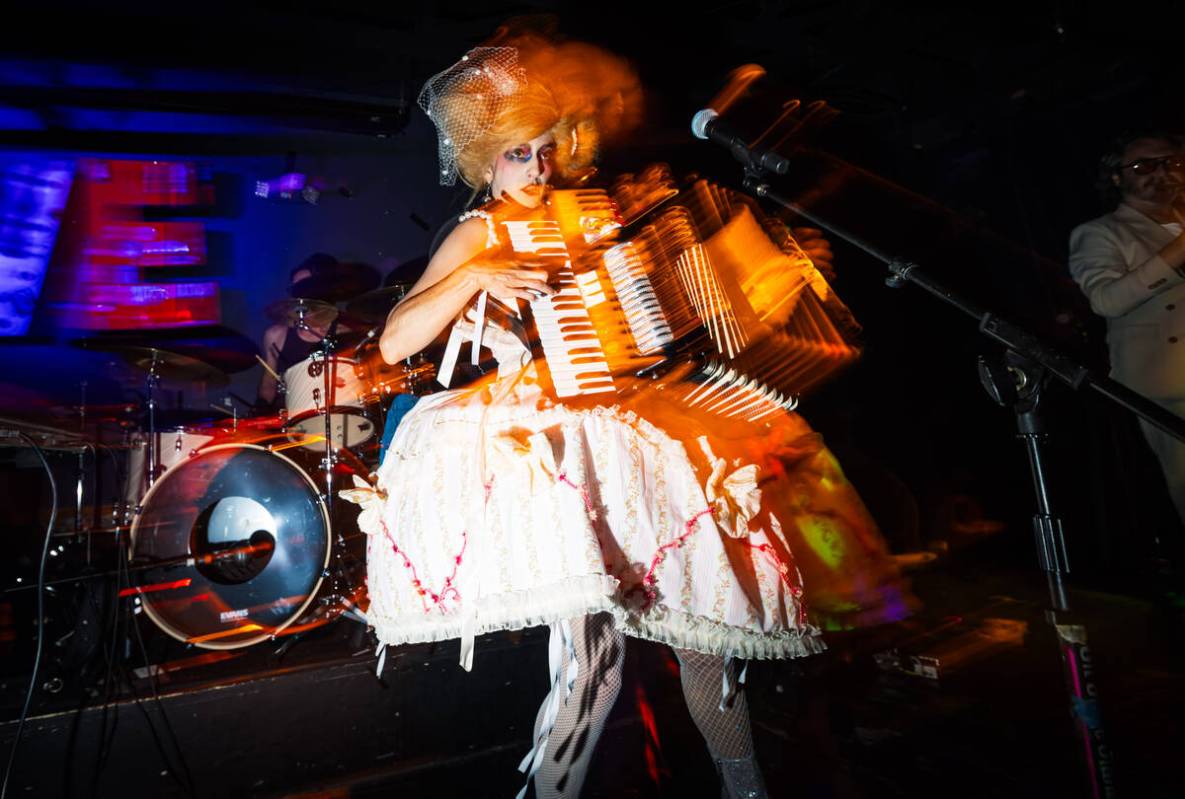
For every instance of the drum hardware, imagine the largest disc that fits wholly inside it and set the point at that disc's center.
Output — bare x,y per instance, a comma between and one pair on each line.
305,314
193,418
80,472
231,411
380,380
251,550
182,457
323,397
175,449
151,452
353,463
156,364
322,394
151,381
327,346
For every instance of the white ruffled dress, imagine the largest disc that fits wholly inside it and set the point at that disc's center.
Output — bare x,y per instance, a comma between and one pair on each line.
498,509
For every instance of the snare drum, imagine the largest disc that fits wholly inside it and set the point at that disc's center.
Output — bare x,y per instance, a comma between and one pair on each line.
307,404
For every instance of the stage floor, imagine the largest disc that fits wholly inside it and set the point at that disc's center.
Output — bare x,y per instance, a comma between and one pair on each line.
313,719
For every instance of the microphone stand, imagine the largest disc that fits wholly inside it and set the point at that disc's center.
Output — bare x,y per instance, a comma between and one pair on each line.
1018,380
329,375
134,567
1013,337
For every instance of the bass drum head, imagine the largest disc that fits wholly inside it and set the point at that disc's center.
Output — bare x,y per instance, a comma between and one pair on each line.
230,546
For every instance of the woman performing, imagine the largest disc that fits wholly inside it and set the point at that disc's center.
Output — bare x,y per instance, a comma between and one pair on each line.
496,508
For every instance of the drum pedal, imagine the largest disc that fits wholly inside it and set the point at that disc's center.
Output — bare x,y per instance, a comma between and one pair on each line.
353,614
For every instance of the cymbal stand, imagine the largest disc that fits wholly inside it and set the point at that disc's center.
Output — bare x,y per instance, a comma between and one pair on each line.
151,381
338,598
80,476
281,383
329,373
327,398
80,473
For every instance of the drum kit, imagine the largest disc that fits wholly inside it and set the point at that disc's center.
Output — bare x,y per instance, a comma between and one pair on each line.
233,535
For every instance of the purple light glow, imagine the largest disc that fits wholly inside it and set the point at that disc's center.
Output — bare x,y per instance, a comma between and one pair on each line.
33,193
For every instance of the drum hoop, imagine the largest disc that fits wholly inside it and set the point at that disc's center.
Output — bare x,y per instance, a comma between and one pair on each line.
333,410
183,429
168,629
318,357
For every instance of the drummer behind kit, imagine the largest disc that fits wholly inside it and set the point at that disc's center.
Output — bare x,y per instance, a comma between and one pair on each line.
234,534
320,391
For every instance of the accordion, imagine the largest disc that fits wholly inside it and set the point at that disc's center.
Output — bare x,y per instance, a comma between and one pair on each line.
695,289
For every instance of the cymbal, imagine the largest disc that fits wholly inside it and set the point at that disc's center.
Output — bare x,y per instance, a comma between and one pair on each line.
164,364
337,283
373,306
217,345
316,313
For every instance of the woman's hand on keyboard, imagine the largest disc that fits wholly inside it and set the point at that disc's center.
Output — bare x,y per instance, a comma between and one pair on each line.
508,281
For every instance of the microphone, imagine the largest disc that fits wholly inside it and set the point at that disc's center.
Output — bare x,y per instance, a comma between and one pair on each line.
706,124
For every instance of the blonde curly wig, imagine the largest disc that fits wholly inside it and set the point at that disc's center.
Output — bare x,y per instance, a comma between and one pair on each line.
575,91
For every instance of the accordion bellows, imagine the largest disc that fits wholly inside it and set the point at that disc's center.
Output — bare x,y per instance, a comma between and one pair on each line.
696,290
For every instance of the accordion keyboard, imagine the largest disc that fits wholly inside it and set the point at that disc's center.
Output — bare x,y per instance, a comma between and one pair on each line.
570,343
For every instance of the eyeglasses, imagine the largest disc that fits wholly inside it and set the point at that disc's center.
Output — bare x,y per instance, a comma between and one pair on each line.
1147,166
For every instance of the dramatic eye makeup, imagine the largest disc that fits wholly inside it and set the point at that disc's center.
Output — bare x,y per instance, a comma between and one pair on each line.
522,153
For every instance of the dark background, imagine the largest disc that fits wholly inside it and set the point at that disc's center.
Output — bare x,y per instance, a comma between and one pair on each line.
966,140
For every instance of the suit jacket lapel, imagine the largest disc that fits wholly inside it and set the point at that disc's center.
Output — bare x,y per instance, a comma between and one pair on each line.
1143,227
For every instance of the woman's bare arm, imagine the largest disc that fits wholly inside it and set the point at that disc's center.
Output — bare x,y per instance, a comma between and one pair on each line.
460,268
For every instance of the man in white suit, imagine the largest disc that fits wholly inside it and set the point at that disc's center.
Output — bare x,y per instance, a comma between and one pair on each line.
1130,263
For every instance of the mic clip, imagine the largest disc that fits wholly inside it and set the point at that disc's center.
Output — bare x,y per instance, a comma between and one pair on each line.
706,124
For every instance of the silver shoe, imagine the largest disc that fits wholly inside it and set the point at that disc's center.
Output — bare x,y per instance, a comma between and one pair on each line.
740,778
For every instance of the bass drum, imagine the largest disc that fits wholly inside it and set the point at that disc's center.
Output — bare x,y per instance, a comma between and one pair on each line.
230,547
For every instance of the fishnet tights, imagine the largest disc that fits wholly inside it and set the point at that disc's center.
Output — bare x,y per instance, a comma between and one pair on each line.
600,650
727,731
